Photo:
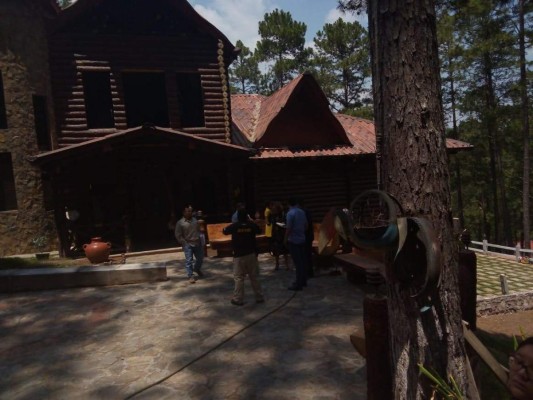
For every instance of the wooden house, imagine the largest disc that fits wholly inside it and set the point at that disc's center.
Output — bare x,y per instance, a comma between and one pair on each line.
142,110
132,120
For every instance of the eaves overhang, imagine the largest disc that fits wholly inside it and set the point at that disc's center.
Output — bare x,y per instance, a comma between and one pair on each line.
121,138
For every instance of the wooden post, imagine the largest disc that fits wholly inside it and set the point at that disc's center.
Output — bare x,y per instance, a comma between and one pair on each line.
503,284
467,277
378,361
517,252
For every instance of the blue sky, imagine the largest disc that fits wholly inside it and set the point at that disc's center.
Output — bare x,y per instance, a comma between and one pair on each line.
238,19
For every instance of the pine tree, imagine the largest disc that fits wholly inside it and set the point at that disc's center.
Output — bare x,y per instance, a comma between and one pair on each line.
413,167
342,58
244,71
282,47
489,58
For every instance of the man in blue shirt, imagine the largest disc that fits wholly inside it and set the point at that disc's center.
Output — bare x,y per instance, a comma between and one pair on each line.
295,239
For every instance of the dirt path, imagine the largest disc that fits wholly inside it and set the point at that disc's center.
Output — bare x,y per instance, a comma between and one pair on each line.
508,324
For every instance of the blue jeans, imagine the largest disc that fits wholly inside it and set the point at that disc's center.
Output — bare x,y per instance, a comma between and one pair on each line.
299,259
190,264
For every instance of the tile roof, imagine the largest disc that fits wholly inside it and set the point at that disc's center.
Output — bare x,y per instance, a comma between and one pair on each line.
454,144
272,105
247,109
303,153
360,132
265,121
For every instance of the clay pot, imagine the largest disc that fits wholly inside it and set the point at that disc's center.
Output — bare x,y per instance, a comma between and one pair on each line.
97,251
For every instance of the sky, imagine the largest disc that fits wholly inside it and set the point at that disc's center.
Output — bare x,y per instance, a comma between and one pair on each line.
239,19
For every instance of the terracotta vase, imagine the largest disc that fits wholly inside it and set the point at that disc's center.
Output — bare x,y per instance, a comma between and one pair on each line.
97,251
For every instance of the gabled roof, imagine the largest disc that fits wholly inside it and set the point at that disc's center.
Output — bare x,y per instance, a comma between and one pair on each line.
258,118
80,7
163,135
254,117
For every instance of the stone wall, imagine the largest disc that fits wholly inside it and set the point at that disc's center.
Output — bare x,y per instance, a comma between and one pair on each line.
25,72
508,303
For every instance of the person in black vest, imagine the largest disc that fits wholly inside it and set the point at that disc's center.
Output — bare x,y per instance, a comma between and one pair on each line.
243,241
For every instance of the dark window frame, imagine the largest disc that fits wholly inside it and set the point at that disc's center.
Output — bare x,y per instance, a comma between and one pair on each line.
3,112
98,99
145,98
42,127
8,194
190,99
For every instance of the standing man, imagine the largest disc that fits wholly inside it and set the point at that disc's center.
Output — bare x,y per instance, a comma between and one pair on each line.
295,238
234,216
188,235
243,234
309,237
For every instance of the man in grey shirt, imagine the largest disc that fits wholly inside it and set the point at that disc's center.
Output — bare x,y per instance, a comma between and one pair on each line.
188,235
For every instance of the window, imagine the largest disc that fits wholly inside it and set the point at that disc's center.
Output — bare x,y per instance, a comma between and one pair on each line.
8,198
145,97
48,192
191,100
3,116
41,122
98,100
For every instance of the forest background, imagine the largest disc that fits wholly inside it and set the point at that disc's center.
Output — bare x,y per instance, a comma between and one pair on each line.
486,57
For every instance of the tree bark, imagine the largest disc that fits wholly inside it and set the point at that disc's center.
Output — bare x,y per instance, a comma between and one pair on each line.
412,154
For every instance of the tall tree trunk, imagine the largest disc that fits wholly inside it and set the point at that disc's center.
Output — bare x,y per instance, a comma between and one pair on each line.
456,162
410,133
525,128
491,128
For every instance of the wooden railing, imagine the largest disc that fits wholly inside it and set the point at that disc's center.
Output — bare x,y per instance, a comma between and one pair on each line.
502,251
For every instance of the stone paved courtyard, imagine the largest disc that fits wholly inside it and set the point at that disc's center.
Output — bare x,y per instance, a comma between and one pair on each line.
174,340
114,342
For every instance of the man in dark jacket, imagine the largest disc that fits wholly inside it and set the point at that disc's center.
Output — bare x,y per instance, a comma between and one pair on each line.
245,263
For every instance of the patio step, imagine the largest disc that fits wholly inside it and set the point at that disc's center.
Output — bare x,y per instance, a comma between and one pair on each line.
18,280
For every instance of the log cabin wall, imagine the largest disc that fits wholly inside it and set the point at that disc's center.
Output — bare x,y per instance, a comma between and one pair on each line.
92,44
322,183
130,195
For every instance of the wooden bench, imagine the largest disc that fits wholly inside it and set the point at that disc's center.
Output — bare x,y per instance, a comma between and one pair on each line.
356,265
222,243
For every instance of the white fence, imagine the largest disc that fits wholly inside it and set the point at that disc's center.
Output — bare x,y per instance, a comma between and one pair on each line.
502,251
